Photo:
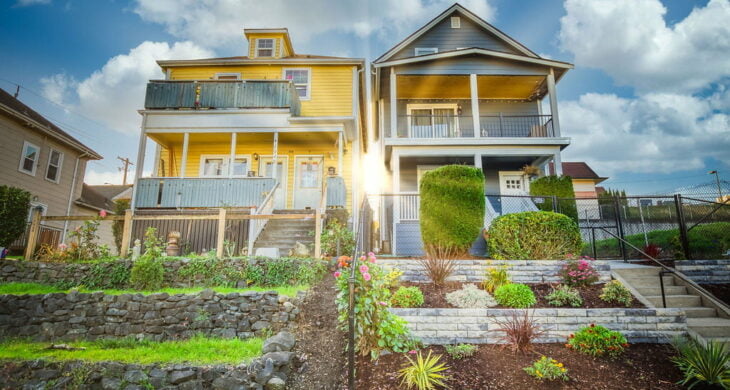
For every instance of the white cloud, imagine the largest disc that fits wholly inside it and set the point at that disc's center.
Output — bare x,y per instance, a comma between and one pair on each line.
220,23
26,3
113,94
97,177
631,41
655,133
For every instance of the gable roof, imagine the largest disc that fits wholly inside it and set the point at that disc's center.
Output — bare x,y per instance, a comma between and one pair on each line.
253,31
579,170
30,118
468,14
93,199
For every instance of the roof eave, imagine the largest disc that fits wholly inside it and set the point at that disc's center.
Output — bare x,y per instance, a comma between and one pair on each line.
318,61
463,52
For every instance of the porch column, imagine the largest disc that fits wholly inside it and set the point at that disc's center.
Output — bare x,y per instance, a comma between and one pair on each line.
156,168
553,103
393,105
184,161
395,168
340,153
275,157
475,104
232,157
140,159
557,164
478,161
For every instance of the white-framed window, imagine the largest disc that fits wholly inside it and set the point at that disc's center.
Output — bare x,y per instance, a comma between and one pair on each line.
455,22
33,205
433,120
227,76
216,165
53,169
302,79
265,47
426,50
29,158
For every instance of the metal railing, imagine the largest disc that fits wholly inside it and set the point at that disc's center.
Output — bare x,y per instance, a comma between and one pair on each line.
435,126
501,125
362,233
188,192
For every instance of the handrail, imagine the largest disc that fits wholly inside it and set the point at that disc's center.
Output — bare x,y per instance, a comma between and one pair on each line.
257,225
359,243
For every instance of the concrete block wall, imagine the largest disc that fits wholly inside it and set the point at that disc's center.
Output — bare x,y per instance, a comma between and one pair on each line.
705,271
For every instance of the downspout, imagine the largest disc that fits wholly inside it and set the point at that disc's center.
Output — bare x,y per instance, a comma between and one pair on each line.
71,195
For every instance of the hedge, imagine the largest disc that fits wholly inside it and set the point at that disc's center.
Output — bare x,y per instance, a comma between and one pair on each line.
559,186
533,235
452,207
14,206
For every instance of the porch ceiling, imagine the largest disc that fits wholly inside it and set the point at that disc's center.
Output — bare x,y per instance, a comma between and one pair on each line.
458,87
170,139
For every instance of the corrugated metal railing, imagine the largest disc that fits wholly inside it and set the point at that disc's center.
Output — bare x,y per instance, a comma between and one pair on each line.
222,94
173,192
336,192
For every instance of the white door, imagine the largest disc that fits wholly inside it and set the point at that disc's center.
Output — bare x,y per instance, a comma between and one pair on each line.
512,183
307,181
282,173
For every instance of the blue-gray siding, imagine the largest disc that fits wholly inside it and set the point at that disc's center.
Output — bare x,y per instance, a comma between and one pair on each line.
336,192
201,192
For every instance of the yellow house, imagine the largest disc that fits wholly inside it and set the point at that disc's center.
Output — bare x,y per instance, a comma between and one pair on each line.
220,125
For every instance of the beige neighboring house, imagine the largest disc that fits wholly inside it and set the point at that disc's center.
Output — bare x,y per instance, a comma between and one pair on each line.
585,186
96,198
41,158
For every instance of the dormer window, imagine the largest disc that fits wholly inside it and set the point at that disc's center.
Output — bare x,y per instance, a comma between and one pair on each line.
455,22
426,50
265,47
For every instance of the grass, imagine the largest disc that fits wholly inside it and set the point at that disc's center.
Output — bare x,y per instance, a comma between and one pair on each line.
199,349
37,288
13,258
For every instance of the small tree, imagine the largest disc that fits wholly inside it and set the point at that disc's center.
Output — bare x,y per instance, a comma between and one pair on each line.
14,205
558,186
120,207
452,208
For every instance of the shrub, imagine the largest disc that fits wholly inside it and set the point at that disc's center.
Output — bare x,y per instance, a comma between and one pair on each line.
423,374
515,295
614,291
564,295
595,340
560,187
210,271
702,364
652,250
452,207
547,368
14,205
576,273
337,239
392,278
519,331
469,296
460,351
407,297
148,272
263,271
533,235
494,277
438,265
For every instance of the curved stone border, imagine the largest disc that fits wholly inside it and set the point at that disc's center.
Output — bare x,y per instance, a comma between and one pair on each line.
479,326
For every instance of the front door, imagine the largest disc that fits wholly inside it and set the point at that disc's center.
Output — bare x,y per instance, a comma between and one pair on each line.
307,181
282,173
513,183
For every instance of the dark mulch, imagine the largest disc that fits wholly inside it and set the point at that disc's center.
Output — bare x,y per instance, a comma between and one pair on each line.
720,291
642,366
320,345
436,297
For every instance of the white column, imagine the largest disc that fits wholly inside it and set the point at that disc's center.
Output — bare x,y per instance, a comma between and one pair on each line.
232,157
340,153
274,166
557,164
478,161
156,168
393,105
184,161
475,104
553,103
395,168
140,159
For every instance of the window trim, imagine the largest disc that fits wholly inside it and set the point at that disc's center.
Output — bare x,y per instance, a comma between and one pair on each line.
226,162
33,205
273,47
60,165
434,49
308,96
432,106
35,162
455,22
218,75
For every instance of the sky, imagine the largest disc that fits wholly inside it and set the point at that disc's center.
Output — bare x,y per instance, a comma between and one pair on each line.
648,103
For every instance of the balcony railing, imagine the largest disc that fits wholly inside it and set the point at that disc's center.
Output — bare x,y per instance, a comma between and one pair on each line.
461,126
189,192
202,94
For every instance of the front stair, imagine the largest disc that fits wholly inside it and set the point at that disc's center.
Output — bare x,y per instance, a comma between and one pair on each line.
285,233
703,318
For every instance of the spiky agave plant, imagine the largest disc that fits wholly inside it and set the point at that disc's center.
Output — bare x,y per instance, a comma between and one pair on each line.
422,373
702,364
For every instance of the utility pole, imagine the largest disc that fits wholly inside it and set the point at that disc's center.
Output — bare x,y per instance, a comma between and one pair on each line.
126,163
717,178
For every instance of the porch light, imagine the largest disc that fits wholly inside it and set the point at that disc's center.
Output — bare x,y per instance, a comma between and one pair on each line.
256,157
458,110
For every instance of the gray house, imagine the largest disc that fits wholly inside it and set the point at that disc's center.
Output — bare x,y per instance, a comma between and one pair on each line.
460,91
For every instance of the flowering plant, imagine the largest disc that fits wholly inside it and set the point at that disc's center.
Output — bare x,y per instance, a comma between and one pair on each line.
595,340
580,272
83,244
547,368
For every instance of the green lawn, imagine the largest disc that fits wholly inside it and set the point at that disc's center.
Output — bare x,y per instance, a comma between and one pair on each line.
37,288
199,349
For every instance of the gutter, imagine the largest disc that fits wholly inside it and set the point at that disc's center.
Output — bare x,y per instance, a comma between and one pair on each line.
71,195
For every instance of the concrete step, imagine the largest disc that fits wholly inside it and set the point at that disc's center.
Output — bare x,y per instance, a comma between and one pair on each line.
287,234
721,340
698,312
638,272
710,326
675,300
293,211
646,282
669,290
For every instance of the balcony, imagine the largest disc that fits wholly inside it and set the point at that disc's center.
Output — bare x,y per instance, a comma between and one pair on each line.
175,192
496,125
203,94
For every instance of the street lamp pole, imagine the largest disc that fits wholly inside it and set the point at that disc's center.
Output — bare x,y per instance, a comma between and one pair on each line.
717,179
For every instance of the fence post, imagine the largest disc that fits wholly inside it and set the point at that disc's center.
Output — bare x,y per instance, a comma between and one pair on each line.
620,227
34,230
126,233
221,233
682,225
317,234
555,203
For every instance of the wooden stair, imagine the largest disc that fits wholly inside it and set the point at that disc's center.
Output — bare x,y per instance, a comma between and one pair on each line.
283,234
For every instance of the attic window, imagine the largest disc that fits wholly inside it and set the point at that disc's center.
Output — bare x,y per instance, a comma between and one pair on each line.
455,22
426,50
265,47
227,76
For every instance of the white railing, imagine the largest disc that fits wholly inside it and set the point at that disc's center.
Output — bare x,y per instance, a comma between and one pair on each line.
258,225
409,206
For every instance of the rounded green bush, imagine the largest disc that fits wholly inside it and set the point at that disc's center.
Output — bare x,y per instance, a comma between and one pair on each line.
452,207
533,235
515,295
407,297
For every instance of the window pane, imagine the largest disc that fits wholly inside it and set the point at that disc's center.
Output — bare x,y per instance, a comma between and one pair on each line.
266,43
30,152
55,157
309,174
240,167
421,117
213,167
52,173
298,76
301,90
27,164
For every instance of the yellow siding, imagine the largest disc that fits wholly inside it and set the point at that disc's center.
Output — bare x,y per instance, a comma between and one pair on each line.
331,88
280,49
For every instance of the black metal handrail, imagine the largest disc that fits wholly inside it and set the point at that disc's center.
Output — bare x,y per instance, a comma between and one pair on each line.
356,253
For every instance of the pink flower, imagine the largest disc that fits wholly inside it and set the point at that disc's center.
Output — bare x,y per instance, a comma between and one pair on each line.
62,246
413,352
102,213
337,274
372,259
383,303
371,254
364,268
366,276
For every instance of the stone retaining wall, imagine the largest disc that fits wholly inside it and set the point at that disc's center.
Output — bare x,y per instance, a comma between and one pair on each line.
705,271
479,326
270,371
521,271
156,316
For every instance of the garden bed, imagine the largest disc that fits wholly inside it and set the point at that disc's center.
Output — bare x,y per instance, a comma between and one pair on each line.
642,366
720,291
